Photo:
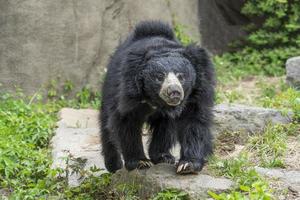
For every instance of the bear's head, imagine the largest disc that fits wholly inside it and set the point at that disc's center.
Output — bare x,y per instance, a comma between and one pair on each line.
167,80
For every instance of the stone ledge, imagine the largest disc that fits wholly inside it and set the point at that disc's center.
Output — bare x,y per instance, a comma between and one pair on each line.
163,176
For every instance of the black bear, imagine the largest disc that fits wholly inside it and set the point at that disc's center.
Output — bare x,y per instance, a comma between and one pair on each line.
152,78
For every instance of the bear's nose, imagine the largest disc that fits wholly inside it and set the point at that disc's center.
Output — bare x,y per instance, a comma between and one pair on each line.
174,92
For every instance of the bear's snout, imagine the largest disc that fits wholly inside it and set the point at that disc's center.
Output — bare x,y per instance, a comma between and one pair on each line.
171,90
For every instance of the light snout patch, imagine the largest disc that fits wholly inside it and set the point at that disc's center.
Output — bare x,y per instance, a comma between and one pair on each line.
171,85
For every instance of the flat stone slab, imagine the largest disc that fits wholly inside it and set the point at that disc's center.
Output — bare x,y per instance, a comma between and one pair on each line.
163,176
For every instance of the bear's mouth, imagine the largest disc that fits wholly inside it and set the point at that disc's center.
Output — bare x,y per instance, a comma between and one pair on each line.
173,103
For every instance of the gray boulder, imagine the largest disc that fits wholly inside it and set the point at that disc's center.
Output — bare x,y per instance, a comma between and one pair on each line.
293,72
241,118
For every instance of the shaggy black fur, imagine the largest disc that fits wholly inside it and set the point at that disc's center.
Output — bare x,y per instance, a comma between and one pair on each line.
130,98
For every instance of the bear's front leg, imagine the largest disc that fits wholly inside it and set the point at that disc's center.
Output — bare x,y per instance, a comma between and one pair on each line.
196,143
130,139
163,138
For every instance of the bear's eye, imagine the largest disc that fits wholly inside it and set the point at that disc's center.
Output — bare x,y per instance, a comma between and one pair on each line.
180,76
159,77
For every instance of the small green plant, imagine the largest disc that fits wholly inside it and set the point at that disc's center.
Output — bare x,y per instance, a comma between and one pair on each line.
232,96
181,35
268,90
171,194
52,89
68,86
87,98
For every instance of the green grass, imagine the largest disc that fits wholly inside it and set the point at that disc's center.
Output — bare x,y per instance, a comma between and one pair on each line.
171,194
286,100
248,183
270,147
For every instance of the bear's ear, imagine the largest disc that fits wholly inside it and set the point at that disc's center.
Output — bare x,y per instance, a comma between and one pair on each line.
203,66
131,87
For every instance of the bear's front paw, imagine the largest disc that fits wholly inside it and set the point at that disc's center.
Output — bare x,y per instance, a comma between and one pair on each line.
189,167
163,158
138,164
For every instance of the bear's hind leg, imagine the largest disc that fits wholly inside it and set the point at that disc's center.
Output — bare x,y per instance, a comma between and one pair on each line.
112,157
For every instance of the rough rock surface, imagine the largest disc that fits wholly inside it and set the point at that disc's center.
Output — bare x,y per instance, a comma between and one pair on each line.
234,117
71,40
293,72
291,178
163,176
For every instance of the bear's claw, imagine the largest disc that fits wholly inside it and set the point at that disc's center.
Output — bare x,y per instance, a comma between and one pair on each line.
144,164
163,158
186,168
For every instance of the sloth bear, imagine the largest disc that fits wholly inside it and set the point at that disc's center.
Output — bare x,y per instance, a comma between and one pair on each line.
152,78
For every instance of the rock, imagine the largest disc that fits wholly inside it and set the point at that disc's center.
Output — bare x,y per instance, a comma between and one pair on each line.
293,72
163,176
241,118
291,178
72,40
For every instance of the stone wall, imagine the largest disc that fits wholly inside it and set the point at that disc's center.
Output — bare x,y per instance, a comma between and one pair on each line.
71,40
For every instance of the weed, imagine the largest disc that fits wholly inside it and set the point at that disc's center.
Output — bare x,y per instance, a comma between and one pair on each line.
171,194
249,184
287,100
68,86
181,35
269,148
